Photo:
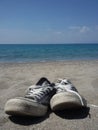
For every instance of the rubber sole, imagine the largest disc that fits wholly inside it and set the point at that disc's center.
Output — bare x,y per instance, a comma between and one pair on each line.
65,100
24,107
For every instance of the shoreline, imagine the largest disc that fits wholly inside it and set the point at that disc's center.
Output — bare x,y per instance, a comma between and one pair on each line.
50,61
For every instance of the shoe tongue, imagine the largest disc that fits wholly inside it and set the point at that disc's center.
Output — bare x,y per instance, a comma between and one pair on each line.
64,81
45,83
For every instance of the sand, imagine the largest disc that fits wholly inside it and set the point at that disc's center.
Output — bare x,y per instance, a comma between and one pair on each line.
16,77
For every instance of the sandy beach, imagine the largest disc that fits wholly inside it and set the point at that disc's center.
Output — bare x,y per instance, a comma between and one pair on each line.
16,77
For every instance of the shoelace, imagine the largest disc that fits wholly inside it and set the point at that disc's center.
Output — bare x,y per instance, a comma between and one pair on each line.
67,88
37,92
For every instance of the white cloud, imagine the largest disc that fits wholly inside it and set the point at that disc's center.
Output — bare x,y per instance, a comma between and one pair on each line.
75,34
81,29
53,31
74,27
84,29
58,32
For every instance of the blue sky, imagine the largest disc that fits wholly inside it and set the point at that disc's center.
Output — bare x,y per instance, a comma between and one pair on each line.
48,21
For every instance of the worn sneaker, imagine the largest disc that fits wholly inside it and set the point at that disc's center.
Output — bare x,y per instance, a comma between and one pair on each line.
66,96
34,103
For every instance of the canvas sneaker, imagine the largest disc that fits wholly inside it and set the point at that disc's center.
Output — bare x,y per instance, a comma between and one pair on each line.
35,102
66,96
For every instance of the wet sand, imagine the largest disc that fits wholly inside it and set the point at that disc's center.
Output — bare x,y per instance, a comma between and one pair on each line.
16,77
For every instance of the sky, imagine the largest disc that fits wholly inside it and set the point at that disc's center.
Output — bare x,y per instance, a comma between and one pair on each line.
48,21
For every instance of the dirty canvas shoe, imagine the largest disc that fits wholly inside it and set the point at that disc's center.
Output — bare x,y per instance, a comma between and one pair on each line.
66,96
34,103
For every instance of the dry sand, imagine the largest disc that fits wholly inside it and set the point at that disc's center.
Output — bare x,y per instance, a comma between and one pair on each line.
15,78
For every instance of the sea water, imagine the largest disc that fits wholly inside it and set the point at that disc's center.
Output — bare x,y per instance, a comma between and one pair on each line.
47,52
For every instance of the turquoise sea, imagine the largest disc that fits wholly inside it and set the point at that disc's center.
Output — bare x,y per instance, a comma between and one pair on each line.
47,52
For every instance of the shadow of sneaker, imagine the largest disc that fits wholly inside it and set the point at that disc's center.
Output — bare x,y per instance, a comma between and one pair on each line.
73,113
28,120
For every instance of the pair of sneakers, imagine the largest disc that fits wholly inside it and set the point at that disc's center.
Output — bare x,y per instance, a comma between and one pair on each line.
59,96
